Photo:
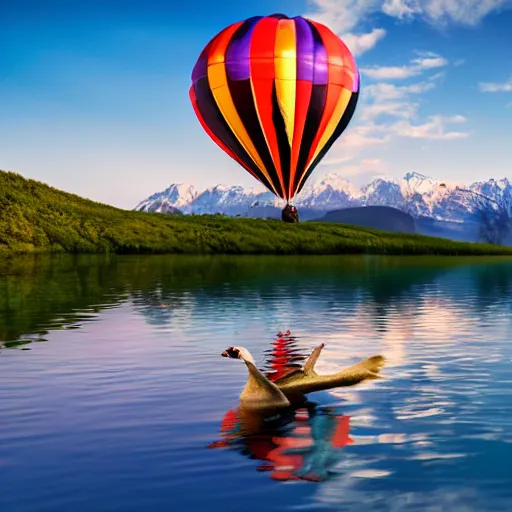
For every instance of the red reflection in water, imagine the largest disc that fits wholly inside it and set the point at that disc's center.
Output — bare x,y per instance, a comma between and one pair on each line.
304,452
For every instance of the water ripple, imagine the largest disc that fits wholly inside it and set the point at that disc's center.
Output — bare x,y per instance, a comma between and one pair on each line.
128,406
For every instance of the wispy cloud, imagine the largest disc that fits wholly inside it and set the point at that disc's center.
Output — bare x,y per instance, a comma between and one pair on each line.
364,166
435,128
496,86
416,67
344,17
441,12
387,112
361,43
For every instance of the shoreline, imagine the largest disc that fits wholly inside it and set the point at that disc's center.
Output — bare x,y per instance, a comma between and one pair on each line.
212,234
36,218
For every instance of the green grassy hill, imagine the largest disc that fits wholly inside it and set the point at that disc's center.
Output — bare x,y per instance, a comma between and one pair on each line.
37,218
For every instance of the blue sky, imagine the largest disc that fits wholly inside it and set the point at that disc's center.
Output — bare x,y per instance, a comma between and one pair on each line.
94,95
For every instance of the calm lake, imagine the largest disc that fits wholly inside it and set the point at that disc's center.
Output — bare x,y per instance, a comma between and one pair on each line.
116,398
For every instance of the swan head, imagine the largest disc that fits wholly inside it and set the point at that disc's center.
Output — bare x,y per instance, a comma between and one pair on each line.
238,353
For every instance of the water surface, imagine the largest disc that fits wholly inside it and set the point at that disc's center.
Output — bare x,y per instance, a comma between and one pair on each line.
114,396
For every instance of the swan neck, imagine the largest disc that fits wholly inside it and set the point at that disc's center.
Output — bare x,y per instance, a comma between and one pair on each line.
246,355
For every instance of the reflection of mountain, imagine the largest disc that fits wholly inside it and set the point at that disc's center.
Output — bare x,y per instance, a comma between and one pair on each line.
374,286
37,294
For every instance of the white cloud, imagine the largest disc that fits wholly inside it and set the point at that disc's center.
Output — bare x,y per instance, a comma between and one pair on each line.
386,99
416,67
397,8
365,166
388,113
341,15
405,110
344,15
361,43
385,91
389,72
496,87
441,12
435,128
362,137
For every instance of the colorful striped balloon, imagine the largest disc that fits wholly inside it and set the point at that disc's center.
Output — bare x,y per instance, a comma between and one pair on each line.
275,93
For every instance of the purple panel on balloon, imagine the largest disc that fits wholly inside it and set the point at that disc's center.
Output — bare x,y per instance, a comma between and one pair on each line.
321,67
200,69
238,66
305,50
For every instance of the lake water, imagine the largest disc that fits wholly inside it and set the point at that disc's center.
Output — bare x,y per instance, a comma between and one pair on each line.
116,398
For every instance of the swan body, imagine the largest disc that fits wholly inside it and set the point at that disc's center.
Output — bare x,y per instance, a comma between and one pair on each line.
260,393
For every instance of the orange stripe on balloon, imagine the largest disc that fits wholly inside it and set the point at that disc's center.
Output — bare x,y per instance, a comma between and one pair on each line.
286,73
218,81
304,89
215,139
262,66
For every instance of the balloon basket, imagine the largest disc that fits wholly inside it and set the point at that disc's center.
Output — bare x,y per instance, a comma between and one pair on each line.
290,214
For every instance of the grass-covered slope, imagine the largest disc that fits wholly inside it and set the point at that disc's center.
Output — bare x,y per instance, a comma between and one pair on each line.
37,218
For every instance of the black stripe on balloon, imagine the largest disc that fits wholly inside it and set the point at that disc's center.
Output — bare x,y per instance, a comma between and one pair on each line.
279,16
283,143
241,94
340,128
242,30
313,118
215,121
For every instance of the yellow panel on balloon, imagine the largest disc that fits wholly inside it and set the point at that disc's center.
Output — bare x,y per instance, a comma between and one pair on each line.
218,84
217,76
285,64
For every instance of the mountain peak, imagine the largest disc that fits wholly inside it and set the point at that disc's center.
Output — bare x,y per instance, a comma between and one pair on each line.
413,175
415,193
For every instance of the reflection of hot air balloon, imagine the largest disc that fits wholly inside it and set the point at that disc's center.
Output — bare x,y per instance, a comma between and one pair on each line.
275,93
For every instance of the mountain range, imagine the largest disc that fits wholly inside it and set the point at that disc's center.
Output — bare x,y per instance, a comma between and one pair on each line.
418,195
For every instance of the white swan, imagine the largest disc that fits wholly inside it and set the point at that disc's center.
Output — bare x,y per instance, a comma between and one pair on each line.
260,393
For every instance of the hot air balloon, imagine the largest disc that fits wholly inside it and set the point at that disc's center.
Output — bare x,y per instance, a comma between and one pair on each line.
275,93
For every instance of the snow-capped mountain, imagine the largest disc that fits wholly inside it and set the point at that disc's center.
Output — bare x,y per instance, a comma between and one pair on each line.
414,193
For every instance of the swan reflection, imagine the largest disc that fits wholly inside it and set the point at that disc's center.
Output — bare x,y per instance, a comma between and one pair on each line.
300,444
303,441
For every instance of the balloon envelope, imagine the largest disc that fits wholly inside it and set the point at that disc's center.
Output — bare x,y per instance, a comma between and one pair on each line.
275,93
